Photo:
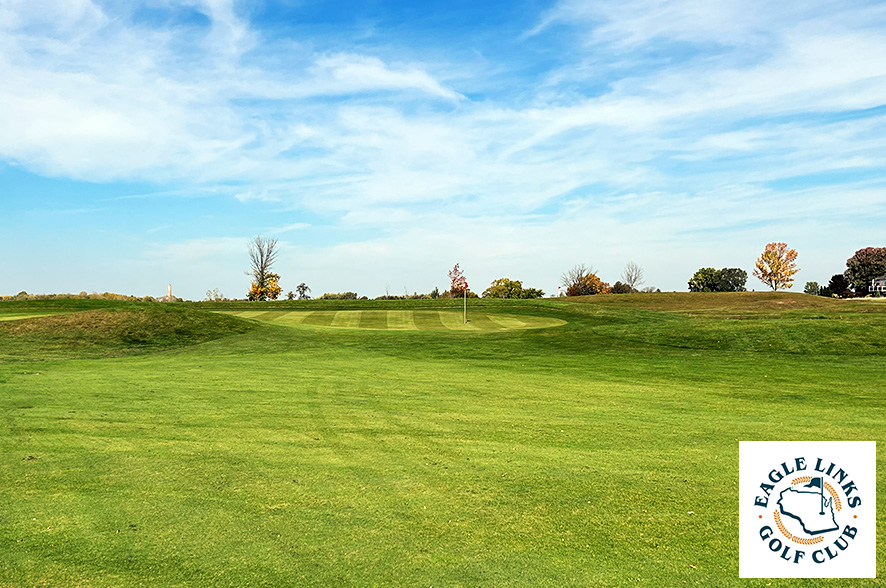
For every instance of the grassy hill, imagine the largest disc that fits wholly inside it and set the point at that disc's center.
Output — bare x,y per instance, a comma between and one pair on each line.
722,303
600,452
67,329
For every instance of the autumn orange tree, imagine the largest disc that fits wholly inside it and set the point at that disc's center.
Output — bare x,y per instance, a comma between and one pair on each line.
581,280
270,291
776,266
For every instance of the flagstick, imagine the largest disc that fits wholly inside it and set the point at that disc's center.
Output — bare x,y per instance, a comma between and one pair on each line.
466,305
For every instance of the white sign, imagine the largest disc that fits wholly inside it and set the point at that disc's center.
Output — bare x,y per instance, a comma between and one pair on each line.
807,509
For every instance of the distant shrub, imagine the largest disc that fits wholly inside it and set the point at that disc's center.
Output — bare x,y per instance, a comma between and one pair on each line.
531,293
413,296
339,296
461,294
507,288
581,281
587,284
728,279
839,286
94,296
621,288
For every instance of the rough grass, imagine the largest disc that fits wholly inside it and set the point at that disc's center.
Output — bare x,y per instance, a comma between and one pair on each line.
111,331
591,454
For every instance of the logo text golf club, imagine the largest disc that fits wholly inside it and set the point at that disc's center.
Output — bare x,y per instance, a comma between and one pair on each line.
809,510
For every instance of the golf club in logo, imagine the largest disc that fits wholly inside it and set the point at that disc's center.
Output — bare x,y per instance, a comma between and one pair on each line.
807,513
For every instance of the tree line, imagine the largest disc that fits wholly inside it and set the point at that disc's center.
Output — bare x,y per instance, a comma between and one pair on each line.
865,266
775,267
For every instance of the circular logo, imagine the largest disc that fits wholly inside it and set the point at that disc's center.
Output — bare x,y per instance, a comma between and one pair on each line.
808,510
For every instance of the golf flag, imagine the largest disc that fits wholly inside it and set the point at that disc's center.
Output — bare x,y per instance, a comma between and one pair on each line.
818,483
815,483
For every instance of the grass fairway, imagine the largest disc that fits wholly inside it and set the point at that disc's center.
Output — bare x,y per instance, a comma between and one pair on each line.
361,444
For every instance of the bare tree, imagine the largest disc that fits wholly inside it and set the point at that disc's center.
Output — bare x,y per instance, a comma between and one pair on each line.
302,290
262,255
574,275
633,275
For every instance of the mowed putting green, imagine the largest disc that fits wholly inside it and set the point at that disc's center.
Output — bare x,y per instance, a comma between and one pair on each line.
403,320
14,316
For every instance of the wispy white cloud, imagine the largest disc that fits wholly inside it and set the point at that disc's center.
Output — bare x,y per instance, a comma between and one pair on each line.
82,111
343,73
55,22
230,35
289,228
631,24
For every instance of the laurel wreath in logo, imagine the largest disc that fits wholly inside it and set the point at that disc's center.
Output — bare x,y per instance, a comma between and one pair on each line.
803,540
792,537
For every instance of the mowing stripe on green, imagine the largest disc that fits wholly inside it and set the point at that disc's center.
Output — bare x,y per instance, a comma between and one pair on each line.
247,314
507,322
293,318
347,319
455,321
270,316
15,317
427,320
320,318
401,320
482,322
374,319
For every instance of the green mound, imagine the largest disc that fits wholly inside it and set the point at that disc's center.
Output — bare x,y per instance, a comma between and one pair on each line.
403,320
725,303
758,322
112,331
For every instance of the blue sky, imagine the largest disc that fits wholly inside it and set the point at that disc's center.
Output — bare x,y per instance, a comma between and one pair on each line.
143,143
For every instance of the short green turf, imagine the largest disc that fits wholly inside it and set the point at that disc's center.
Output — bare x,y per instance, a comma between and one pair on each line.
362,444
403,320
14,316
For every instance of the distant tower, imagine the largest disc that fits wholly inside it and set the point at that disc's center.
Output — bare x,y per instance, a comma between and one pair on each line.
169,294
